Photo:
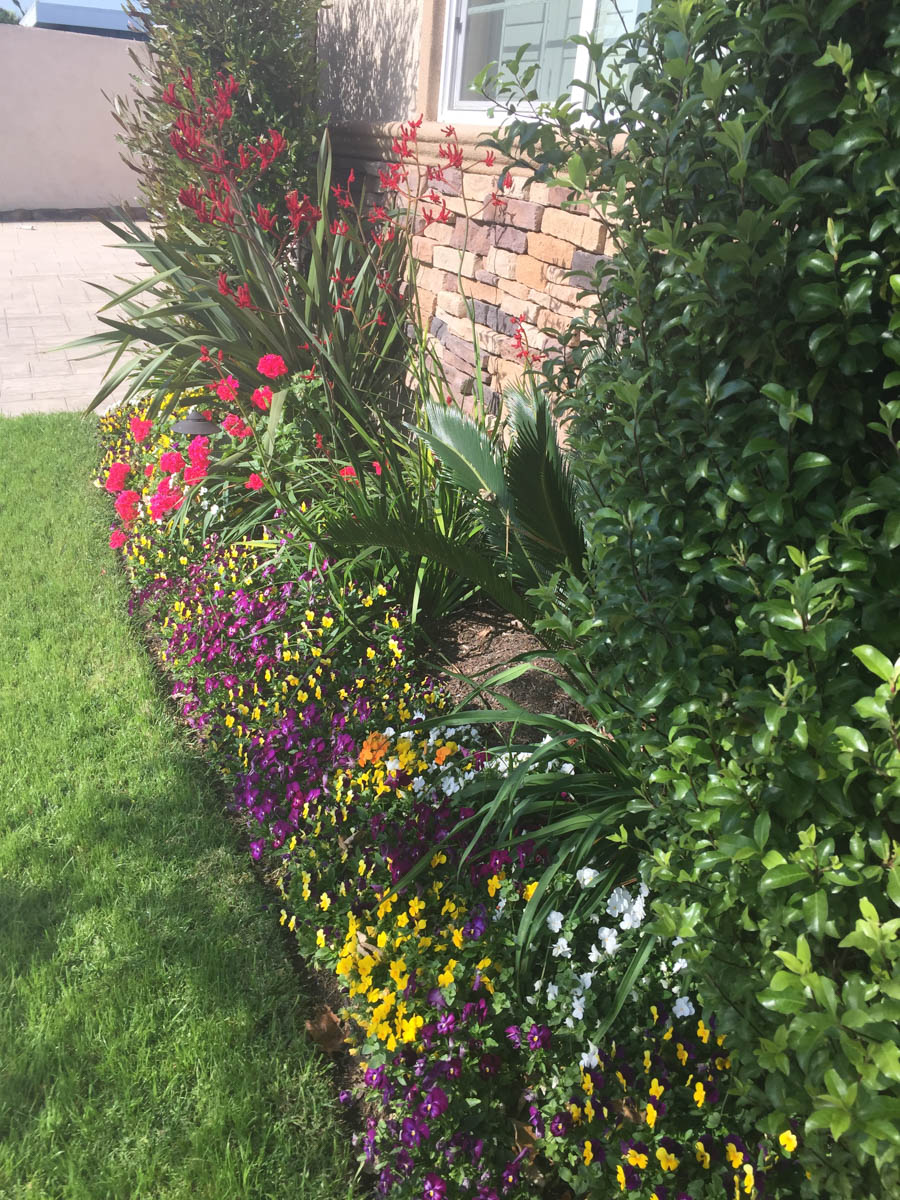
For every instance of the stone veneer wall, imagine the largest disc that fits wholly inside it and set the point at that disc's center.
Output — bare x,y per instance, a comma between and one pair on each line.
493,264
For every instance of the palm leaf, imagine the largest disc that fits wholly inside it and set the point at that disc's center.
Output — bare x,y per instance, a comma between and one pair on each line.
379,529
465,450
543,489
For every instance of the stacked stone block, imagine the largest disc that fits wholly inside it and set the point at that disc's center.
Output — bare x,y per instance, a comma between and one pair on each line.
488,267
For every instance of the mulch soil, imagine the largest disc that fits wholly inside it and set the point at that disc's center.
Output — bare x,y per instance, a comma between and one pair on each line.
480,642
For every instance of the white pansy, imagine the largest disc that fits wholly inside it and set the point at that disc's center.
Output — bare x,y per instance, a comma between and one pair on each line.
561,949
618,902
587,876
683,1007
554,921
417,784
633,916
680,964
595,954
586,980
552,991
589,1058
578,1007
608,938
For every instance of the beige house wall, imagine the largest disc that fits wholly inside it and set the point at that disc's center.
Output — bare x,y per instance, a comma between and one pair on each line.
504,263
57,135
369,54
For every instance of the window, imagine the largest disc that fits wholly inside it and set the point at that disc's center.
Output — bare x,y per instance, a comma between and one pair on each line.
482,31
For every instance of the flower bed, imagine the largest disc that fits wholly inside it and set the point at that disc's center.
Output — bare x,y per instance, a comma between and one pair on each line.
348,774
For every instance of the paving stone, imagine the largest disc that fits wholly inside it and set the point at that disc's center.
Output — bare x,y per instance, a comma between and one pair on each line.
46,298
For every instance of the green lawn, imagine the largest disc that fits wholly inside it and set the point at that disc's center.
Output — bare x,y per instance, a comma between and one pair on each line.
151,1025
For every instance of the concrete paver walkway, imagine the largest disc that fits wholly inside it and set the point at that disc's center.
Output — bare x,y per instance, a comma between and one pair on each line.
45,300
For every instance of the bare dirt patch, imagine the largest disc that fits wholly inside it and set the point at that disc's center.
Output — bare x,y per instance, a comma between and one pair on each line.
482,641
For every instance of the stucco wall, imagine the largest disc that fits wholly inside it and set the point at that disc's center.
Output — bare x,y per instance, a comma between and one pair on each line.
57,137
369,55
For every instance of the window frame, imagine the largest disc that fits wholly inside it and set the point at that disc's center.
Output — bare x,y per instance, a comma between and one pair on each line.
475,112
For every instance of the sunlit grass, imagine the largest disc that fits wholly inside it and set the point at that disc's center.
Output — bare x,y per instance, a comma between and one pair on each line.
151,1025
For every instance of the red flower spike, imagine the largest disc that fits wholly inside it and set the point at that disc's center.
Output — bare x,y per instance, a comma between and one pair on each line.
453,154
243,299
264,218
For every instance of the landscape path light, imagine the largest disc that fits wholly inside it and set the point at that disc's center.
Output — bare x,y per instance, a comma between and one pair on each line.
194,424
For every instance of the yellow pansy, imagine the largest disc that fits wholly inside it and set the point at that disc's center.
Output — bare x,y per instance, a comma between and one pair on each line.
735,1157
667,1161
788,1141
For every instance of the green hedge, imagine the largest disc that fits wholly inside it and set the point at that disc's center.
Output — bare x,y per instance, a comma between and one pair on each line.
734,397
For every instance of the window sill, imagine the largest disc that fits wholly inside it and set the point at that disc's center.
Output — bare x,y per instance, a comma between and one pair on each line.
367,140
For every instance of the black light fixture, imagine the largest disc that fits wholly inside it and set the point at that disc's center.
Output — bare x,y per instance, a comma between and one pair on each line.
196,425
